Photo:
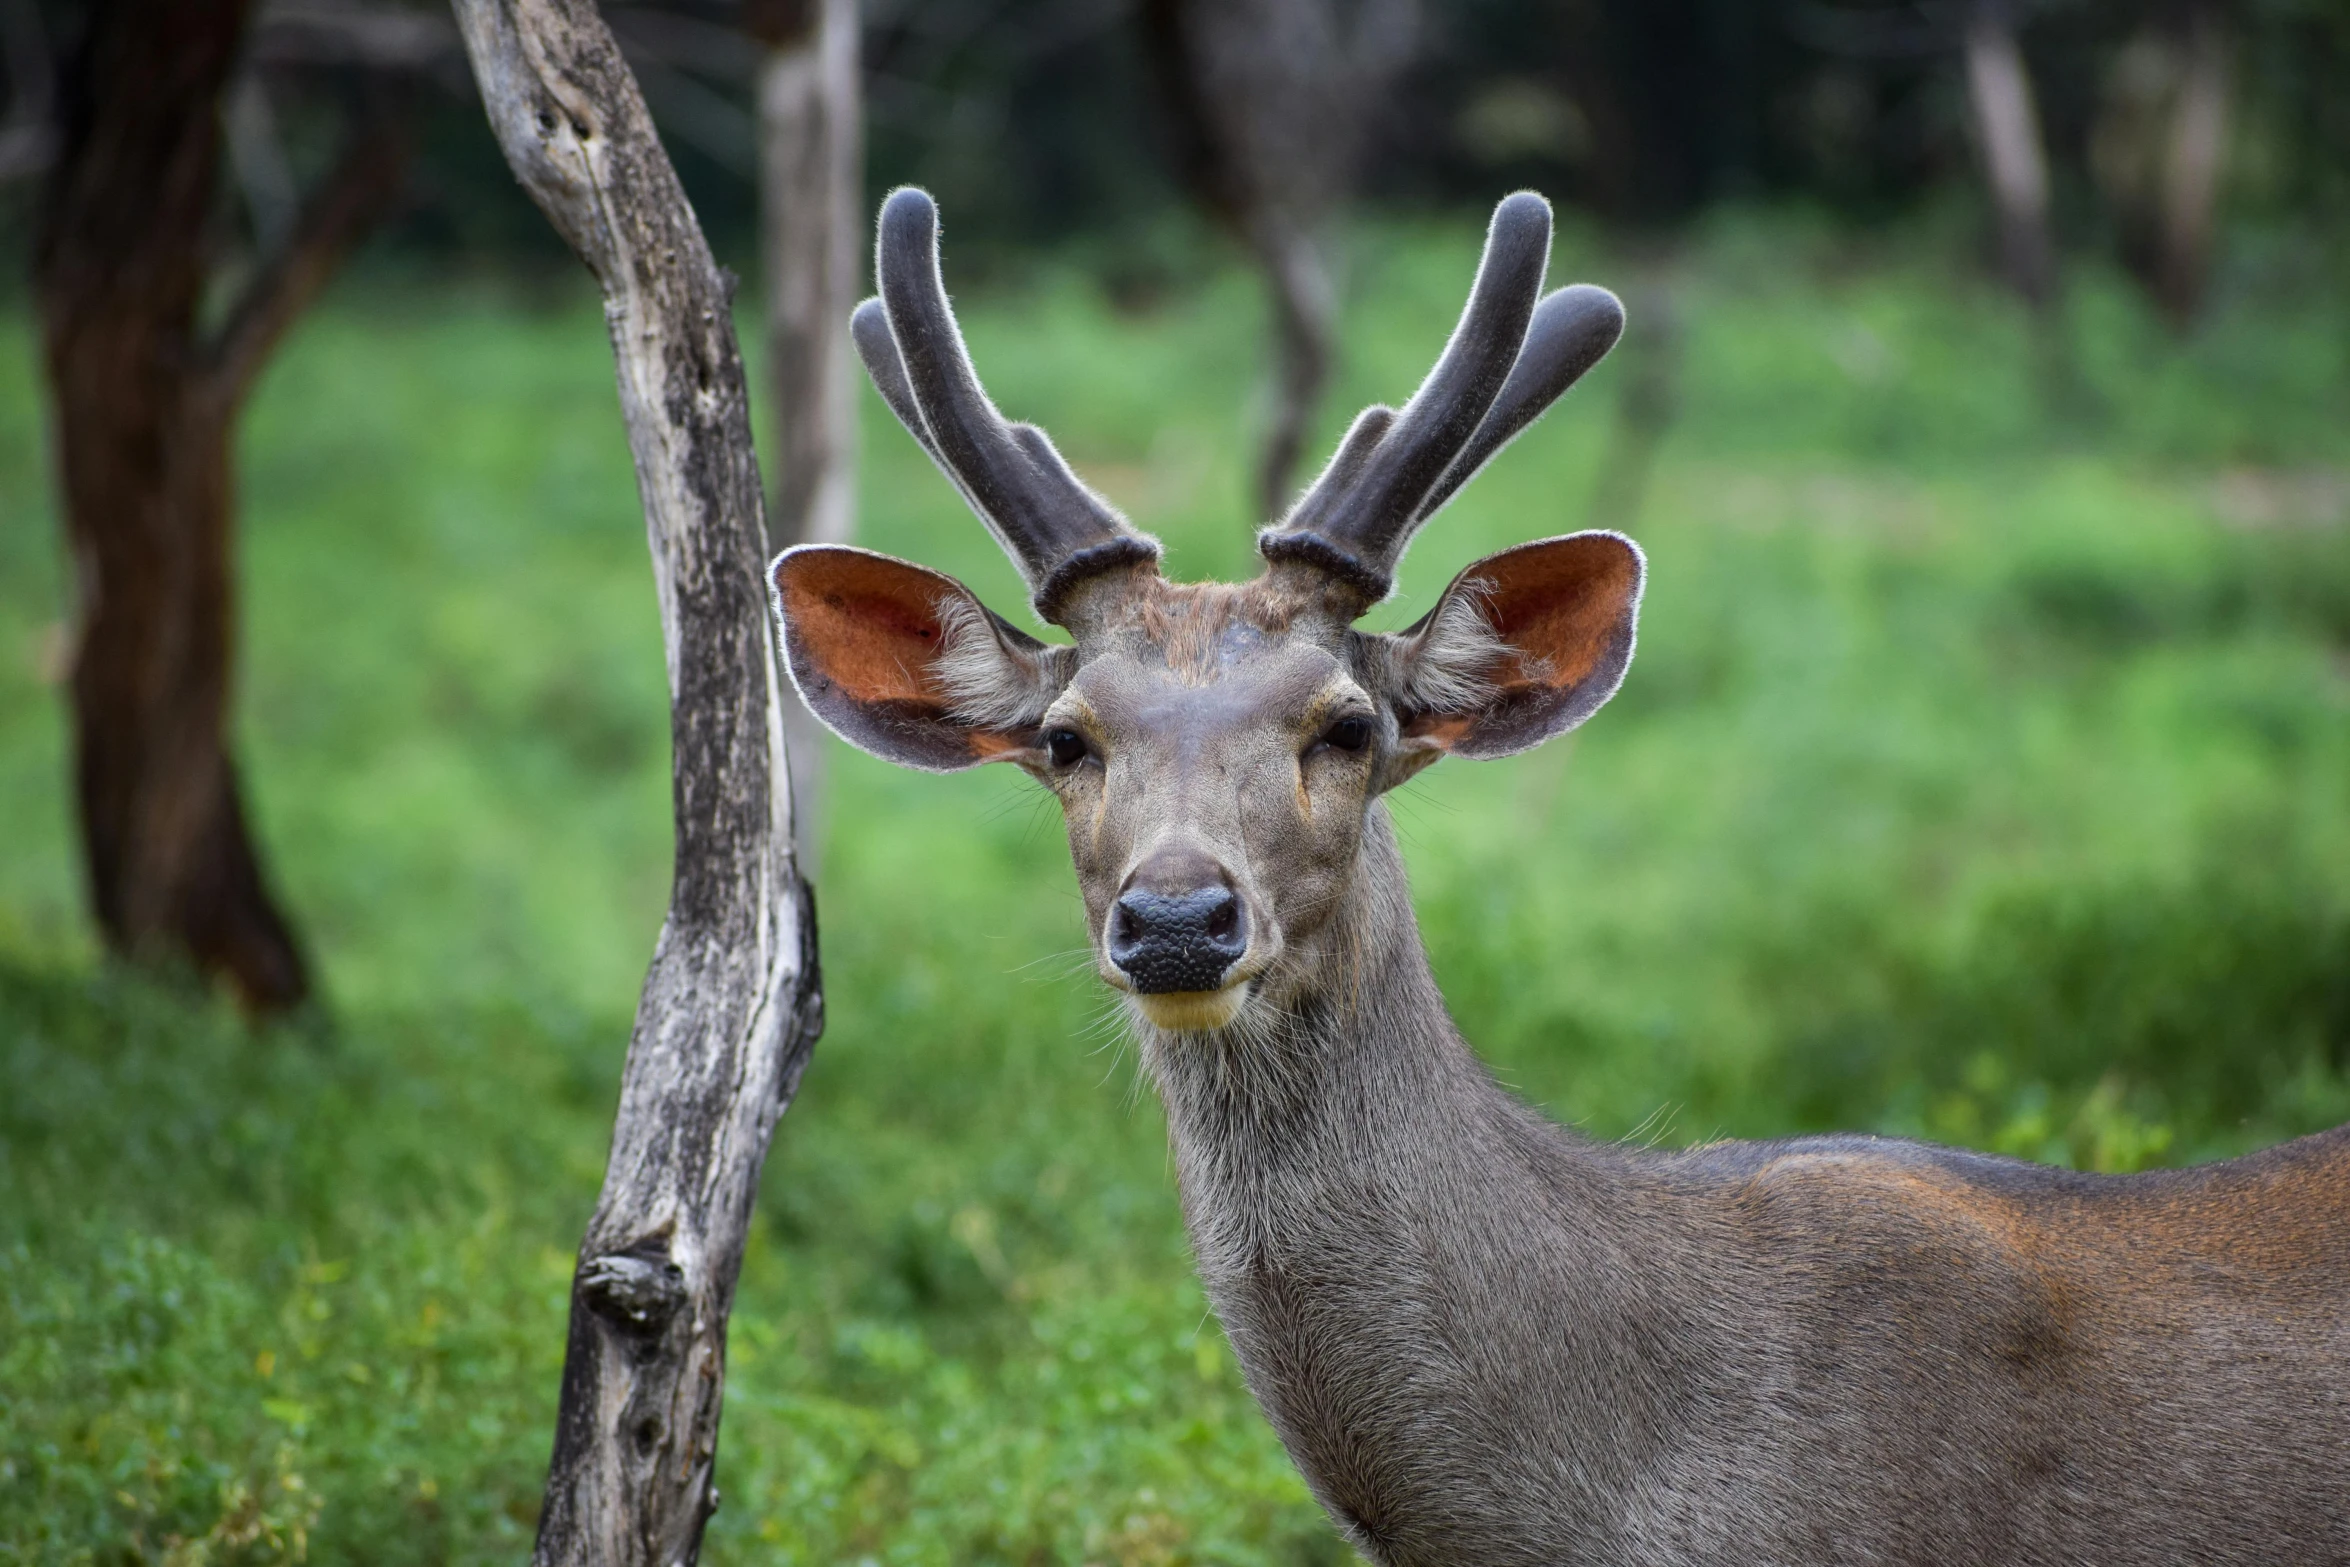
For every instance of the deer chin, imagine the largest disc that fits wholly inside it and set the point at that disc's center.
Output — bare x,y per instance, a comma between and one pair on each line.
1193,1011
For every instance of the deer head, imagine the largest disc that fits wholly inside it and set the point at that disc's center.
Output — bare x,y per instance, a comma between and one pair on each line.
1219,749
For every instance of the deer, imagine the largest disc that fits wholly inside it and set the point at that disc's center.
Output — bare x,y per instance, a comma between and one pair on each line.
1484,1337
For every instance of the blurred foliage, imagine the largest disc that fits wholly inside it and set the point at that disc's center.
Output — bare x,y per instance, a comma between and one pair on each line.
1984,774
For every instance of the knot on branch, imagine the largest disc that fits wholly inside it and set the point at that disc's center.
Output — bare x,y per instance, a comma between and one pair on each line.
638,1291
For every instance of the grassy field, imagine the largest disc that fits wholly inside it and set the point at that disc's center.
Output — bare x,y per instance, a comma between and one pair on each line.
1984,775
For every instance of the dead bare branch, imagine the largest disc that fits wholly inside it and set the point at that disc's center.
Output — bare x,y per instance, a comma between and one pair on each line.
339,211
731,1007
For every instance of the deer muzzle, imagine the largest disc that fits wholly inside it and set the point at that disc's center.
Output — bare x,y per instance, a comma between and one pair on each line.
1168,942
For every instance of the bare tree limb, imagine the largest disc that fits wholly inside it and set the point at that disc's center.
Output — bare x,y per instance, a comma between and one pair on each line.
337,214
811,170
731,1006
145,404
146,480
1304,299
257,156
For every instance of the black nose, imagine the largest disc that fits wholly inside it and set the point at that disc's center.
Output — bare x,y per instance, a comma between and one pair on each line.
1177,941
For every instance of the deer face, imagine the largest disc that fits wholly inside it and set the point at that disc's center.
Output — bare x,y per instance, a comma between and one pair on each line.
1213,766
1216,748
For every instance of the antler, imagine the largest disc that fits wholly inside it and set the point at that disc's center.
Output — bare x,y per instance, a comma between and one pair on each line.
1056,530
1509,359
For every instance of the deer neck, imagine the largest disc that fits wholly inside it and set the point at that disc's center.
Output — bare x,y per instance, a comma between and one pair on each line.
1354,1087
1373,1218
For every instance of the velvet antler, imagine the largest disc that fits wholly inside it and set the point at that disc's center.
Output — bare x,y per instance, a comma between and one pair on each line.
1508,360
1057,531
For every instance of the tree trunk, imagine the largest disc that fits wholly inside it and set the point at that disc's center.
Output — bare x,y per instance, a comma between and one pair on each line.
145,415
811,189
2007,130
731,1007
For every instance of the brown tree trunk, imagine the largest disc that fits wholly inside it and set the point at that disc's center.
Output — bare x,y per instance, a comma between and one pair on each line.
142,441
731,1007
145,409
811,249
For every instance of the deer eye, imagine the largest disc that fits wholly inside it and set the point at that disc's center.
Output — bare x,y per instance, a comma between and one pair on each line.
1065,746
1348,734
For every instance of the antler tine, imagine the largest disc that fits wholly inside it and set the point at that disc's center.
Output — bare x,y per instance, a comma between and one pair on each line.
1056,530
1362,438
878,347
1357,518
1572,330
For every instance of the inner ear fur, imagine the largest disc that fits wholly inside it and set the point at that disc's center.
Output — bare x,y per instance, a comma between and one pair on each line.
906,663
1523,645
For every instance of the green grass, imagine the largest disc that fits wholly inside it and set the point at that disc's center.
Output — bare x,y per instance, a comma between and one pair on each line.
1983,775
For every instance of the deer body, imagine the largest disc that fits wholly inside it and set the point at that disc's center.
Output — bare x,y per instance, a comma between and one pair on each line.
1484,1339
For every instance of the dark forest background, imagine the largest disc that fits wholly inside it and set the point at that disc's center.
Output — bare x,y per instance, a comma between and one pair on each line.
1049,120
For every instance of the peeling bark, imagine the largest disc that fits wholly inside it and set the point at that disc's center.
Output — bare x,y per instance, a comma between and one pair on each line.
732,1006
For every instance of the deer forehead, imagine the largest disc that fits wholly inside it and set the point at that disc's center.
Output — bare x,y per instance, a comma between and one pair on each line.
1141,699
1198,660
1200,631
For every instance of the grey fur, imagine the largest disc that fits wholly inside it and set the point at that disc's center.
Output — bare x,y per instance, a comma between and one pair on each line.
1485,1339
1453,659
983,687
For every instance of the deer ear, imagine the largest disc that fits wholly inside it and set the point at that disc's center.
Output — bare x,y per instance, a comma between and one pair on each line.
904,662
1523,645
